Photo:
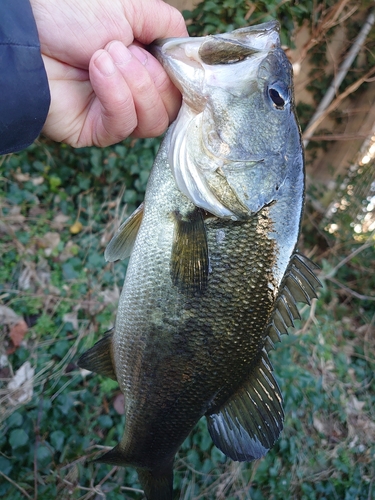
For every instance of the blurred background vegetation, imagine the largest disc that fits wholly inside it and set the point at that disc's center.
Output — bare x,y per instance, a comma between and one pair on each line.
60,207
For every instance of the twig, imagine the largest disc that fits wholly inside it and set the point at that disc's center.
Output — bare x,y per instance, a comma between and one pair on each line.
349,257
330,20
341,137
308,132
37,441
325,107
127,488
24,492
350,291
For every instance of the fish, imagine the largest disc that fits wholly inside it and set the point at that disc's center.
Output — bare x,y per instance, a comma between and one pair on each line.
214,275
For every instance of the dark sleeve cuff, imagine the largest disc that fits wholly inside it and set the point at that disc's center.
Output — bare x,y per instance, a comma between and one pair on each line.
25,96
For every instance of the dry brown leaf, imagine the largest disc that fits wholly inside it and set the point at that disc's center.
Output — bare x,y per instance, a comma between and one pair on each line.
15,216
49,241
21,177
26,277
18,332
37,181
319,425
21,384
59,221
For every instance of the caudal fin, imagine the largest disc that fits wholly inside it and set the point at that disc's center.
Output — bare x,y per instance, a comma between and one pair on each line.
157,485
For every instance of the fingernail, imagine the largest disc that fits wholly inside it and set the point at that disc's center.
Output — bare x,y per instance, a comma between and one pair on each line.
120,54
105,64
139,53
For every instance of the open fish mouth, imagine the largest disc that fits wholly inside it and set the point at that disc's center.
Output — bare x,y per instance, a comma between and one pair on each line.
188,60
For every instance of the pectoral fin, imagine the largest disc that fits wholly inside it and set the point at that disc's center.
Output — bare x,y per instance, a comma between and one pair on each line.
99,358
250,422
189,259
121,245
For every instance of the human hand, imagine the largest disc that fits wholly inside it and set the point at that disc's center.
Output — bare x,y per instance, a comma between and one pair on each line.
104,84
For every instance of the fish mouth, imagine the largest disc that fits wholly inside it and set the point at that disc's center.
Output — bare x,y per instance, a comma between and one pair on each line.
188,60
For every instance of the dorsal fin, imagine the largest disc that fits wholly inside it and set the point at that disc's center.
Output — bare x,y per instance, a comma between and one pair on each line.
189,259
121,245
250,421
99,358
299,285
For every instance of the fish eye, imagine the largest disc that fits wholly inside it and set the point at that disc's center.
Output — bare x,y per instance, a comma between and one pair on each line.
277,96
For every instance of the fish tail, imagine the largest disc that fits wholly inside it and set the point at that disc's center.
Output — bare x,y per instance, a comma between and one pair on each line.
157,485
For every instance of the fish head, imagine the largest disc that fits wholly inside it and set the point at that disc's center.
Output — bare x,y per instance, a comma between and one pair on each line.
237,135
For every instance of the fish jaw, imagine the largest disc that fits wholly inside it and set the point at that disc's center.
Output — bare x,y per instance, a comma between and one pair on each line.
188,60
230,148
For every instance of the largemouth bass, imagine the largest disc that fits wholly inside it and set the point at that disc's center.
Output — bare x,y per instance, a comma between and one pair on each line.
213,277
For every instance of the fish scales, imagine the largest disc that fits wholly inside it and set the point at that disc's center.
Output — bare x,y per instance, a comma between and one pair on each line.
200,335
213,275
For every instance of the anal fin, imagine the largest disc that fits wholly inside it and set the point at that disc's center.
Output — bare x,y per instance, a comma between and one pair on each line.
251,420
121,245
189,260
99,358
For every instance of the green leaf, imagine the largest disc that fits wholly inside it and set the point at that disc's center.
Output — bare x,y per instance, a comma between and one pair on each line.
18,438
57,439
105,421
44,456
54,182
15,420
5,465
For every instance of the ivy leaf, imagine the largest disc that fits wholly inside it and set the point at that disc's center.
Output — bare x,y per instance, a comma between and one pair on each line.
18,438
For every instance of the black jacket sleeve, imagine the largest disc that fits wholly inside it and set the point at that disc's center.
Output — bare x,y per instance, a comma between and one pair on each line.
24,91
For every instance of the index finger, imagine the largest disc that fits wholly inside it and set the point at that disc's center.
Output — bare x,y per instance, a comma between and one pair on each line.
154,19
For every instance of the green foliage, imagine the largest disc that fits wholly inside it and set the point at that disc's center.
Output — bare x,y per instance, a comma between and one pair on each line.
211,17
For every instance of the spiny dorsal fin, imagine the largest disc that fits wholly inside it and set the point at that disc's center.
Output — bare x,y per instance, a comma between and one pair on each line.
121,245
299,285
99,358
189,259
250,422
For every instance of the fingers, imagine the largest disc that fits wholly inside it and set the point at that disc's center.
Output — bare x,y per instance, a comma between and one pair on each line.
154,19
134,95
111,116
70,90
156,99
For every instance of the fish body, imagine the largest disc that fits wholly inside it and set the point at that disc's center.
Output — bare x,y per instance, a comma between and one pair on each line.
213,276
